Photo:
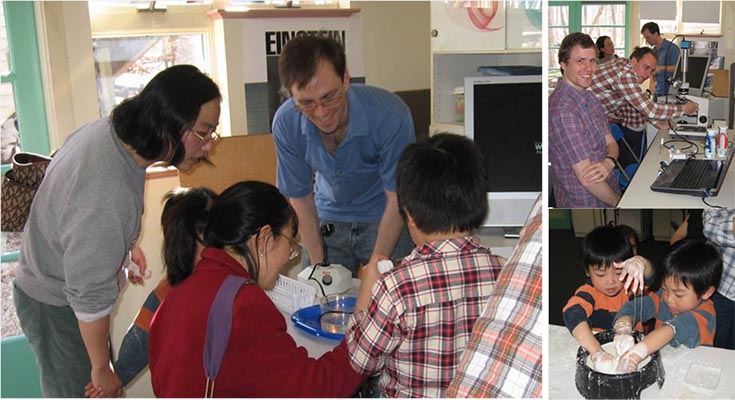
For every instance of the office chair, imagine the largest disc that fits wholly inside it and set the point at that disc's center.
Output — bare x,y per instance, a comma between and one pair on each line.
624,175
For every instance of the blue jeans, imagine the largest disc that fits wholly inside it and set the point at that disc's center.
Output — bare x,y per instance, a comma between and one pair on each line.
53,334
352,243
725,314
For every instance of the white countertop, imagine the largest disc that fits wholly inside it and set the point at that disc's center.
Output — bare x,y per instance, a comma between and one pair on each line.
676,360
640,195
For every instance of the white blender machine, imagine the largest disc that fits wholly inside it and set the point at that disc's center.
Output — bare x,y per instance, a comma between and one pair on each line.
327,278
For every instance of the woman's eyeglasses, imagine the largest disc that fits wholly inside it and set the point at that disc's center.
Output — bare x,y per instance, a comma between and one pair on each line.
206,137
294,247
328,101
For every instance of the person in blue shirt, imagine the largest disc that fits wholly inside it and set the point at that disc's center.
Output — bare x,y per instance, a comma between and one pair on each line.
338,145
668,56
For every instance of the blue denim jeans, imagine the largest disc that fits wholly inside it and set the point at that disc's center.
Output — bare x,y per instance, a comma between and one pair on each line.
352,243
53,334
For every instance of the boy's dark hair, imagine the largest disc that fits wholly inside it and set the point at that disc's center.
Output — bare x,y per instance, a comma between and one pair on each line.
628,232
183,219
651,27
640,52
693,263
604,246
154,121
573,39
441,183
301,57
600,43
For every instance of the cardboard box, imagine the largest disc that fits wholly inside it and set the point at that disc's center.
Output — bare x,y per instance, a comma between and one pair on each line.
720,82
235,159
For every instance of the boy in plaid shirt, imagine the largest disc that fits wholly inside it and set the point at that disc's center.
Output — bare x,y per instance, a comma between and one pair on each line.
420,315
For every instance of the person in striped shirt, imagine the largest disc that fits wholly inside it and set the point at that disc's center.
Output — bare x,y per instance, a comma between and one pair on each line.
685,314
608,259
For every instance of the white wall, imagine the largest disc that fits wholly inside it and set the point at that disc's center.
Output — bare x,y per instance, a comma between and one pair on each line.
397,43
133,296
65,46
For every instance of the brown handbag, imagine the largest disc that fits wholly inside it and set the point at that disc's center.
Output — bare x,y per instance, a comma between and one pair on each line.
18,188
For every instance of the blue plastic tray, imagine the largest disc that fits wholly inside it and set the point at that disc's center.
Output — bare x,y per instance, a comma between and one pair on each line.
307,319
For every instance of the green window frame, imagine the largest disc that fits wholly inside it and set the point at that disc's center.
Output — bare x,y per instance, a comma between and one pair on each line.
25,76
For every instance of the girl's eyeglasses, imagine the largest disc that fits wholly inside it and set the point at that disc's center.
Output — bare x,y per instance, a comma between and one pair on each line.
295,248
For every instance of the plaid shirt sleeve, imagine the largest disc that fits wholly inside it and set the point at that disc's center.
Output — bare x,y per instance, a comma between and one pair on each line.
628,85
719,228
503,357
372,333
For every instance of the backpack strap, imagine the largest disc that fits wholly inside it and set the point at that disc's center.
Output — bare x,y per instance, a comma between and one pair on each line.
219,324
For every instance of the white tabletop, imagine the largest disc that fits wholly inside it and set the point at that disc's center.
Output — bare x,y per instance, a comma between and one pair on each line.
640,195
316,346
676,360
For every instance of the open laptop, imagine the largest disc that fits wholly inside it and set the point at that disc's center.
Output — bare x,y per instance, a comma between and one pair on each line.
695,177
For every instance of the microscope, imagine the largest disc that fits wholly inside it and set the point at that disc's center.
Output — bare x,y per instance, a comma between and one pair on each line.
682,92
325,277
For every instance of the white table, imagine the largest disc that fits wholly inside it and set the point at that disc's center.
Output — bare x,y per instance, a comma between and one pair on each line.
640,195
676,360
316,346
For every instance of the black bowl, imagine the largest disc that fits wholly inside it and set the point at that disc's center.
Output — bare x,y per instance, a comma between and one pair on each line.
597,385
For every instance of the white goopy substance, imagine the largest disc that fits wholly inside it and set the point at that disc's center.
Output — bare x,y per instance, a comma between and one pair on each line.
608,367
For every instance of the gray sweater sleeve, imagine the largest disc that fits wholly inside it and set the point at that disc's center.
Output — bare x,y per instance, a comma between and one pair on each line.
96,227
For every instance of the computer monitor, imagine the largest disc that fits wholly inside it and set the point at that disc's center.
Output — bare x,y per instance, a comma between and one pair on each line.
697,69
503,115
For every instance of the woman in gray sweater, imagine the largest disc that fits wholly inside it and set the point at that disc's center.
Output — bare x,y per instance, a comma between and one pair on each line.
85,221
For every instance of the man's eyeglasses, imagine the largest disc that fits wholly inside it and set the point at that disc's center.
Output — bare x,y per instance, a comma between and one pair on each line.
328,101
295,248
206,137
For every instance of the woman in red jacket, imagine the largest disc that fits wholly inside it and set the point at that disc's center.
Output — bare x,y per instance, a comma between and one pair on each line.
250,233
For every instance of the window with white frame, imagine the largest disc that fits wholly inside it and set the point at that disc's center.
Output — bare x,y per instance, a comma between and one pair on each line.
683,17
125,64
128,54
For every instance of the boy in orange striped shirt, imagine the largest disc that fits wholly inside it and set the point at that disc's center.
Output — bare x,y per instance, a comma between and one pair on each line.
690,274
607,257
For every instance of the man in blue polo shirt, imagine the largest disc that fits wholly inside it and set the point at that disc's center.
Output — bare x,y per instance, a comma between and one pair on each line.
338,146
668,56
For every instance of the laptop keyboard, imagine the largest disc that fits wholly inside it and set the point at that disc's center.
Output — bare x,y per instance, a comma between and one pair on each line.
691,174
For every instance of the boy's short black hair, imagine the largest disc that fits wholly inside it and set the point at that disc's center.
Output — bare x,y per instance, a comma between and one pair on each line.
628,232
604,246
693,263
441,183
